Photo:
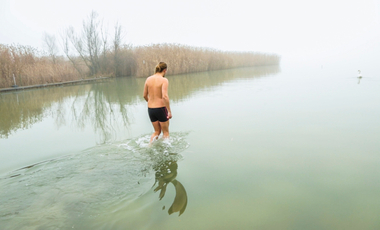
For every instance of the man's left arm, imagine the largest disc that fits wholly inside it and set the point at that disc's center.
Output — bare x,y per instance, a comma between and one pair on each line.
146,92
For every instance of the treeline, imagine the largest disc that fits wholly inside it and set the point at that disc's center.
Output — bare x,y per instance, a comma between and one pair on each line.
93,53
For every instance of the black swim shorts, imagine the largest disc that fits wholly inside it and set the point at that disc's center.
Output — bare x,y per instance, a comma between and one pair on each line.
158,114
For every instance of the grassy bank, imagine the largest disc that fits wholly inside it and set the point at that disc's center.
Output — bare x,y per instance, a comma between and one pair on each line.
28,66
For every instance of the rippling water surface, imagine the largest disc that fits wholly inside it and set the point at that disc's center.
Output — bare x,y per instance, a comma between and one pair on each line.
80,189
251,148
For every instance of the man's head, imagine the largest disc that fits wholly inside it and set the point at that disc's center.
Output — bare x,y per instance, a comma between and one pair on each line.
161,68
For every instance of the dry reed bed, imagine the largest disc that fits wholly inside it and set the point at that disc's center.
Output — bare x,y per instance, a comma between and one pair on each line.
186,59
30,66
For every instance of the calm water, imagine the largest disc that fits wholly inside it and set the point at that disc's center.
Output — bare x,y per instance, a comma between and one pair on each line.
251,148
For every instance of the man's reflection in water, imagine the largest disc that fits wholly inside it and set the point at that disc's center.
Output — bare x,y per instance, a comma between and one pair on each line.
165,174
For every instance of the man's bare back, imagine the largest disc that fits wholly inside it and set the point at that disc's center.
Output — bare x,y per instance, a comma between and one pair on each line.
154,85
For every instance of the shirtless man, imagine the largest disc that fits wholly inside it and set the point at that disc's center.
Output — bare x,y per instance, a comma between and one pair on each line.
156,94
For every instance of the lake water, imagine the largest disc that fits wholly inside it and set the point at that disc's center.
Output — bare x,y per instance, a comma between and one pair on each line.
250,148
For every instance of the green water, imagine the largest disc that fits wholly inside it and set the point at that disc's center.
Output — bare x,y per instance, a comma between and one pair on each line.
251,148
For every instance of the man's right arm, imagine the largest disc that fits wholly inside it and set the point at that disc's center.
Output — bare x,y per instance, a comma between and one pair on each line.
165,97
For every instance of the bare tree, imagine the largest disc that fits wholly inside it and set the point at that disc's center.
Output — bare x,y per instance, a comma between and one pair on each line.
90,44
66,41
117,40
105,48
51,46
94,49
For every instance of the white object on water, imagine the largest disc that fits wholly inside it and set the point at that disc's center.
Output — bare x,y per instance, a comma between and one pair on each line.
359,74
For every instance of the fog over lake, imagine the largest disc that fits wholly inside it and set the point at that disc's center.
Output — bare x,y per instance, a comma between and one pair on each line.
293,146
323,31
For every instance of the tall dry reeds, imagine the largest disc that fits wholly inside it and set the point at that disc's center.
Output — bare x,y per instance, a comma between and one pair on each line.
92,53
24,66
30,67
186,59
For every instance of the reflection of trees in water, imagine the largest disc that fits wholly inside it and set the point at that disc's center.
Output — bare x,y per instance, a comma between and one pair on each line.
104,105
20,110
16,114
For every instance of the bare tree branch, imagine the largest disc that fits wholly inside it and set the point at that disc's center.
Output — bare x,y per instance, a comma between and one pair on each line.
51,46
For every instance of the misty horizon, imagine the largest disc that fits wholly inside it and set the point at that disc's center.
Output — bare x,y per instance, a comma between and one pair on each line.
323,32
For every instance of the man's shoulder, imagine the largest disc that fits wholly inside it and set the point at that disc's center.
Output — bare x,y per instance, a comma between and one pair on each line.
157,79
149,78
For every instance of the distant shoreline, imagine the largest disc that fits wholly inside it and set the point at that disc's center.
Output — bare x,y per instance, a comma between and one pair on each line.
26,66
83,81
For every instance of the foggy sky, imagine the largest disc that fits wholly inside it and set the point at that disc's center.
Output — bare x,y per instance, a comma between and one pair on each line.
324,30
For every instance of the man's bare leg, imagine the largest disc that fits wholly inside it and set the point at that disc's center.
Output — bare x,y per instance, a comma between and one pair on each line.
157,131
165,128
